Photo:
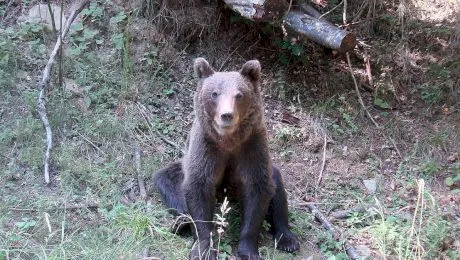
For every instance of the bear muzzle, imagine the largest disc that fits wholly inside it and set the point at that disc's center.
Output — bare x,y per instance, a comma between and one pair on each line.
226,123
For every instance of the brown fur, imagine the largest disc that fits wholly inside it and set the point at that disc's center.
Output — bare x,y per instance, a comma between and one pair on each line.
228,148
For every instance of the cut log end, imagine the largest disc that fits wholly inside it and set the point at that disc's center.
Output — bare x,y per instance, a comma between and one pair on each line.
348,43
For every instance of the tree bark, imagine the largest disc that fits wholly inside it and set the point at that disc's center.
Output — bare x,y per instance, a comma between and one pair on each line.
321,31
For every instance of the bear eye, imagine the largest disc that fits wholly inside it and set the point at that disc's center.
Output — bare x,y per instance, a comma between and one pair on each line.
239,95
214,95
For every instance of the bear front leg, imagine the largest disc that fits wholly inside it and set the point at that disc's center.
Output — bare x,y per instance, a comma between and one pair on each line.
200,200
278,217
202,171
255,173
255,205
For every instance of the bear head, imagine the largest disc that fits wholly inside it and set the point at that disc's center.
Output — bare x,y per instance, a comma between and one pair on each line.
228,104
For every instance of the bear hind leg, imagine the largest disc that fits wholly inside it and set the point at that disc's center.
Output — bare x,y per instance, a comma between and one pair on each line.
168,182
277,217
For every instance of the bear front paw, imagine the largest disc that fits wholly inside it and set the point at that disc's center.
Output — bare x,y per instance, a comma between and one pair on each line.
249,257
287,242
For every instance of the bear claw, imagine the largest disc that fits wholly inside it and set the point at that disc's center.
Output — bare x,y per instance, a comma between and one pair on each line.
288,242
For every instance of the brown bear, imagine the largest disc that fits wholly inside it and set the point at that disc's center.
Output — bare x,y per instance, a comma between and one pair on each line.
228,151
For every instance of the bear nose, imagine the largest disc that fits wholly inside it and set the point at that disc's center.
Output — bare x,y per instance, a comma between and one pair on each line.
227,117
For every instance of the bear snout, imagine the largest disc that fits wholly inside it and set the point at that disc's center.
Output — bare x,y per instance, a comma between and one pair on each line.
227,118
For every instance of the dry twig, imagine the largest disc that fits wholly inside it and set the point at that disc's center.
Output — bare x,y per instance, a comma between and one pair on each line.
41,104
72,207
320,176
360,99
140,179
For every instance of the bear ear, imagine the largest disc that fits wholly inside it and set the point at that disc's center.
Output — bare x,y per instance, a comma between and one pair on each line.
251,69
202,68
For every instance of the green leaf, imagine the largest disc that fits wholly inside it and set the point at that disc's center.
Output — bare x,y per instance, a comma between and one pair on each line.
381,103
118,18
78,26
297,50
4,58
449,181
25,224
117,40
89,34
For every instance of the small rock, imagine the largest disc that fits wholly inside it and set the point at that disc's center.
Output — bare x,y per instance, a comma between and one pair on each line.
452,158
40,14
371,185
363,250
73,87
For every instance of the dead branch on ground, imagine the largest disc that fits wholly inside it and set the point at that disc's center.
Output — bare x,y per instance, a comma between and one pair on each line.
71,207
320,176
350,250
41,103
343,214
140,178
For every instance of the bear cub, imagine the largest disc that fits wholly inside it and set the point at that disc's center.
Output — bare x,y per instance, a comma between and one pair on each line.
228,152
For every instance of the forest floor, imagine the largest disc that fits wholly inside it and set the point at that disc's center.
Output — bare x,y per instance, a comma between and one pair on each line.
125,85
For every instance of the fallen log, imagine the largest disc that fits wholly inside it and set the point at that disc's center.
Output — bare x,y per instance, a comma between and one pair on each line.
260,10
321,31
306,21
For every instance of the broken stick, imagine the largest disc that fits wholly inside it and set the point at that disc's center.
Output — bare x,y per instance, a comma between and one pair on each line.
41,104
140,178
350,250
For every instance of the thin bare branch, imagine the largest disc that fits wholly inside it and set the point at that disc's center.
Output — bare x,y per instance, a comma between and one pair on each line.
50,10
320,176
140,178
41,103
358,93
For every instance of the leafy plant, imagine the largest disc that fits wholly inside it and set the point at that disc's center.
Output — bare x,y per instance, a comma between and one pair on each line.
82,37
429,168
331,247
381,103
26,223
115,20
348,120
94,12
452,180
292,49
431,94
30,30
8,61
